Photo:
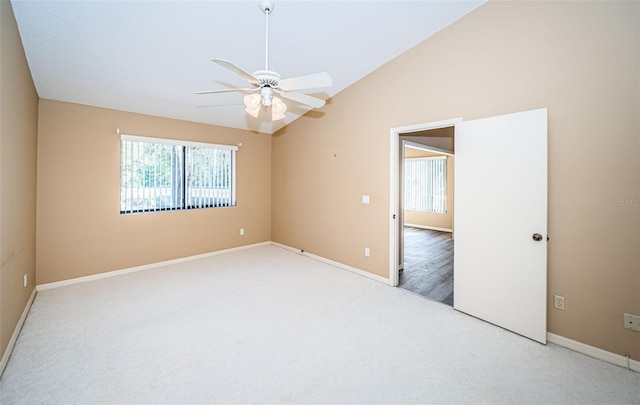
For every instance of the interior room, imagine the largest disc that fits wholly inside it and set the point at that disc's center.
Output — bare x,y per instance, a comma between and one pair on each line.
427,242
282,287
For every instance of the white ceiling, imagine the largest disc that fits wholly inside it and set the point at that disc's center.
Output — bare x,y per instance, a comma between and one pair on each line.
151,56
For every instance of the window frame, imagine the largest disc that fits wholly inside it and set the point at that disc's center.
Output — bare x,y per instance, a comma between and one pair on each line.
183,186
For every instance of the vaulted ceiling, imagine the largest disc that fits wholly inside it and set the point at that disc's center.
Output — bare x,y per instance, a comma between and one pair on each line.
151,57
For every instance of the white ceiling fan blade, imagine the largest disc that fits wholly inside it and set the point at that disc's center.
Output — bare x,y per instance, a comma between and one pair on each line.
223,91
306,82
235,69
304,99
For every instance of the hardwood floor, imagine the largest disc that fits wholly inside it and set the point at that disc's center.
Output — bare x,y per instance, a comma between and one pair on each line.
428,264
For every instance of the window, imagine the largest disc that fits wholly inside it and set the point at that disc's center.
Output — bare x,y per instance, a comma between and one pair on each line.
162,175
425,184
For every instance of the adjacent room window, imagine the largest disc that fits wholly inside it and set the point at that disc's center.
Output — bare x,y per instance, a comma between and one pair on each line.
163,174
425,184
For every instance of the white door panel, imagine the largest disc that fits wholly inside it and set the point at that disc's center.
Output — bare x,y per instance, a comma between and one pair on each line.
500,272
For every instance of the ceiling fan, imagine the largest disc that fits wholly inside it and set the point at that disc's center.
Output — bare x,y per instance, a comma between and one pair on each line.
265,83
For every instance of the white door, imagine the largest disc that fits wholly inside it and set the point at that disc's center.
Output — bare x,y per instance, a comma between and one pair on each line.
500,219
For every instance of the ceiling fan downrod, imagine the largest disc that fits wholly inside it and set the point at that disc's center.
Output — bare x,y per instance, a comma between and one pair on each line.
267,7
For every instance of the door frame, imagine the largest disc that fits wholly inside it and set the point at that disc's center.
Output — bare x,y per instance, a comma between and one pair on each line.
395,210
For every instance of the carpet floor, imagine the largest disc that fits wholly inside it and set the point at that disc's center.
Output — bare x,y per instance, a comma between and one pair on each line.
266,325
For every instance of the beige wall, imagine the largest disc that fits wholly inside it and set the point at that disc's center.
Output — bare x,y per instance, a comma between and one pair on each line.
432,219
80,230
581,60
18,134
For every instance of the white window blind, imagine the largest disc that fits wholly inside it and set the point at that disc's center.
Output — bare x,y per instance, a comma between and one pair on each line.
425,184
162,174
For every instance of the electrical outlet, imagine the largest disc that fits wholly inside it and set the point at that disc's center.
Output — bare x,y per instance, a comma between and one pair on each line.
25,280
558,302
241,231
367,252
632,322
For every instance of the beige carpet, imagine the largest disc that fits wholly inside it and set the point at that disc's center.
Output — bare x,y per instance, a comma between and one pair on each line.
266,325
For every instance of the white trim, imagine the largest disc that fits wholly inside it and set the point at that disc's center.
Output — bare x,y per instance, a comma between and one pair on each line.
16,332
334,263
137,138
426,126
433,228
425,148
289,248
394,174
427,158
592,351
114,273
394,214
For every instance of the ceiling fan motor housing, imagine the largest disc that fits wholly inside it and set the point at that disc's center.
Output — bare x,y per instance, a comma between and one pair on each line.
267,78
268,81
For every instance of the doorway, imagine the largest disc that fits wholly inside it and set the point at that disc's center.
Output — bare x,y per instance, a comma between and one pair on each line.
426,191
500,218
436,137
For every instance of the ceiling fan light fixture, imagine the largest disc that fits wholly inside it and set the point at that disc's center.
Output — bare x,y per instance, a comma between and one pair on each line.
278,108
252,102
268,82
267,96
253,111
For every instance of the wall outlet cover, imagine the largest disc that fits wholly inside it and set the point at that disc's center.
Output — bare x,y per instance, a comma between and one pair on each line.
558,302
632,322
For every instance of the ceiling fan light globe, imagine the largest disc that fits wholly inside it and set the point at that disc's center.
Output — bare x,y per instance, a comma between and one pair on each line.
252,101
278,107
253,111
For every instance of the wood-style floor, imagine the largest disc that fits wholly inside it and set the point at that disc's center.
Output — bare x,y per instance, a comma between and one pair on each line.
428,264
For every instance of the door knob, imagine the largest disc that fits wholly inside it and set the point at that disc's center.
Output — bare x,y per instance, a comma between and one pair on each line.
537,237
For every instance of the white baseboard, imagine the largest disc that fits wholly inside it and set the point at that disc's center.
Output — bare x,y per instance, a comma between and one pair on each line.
114,273
433,228
591,351
289,248
334,263
16,332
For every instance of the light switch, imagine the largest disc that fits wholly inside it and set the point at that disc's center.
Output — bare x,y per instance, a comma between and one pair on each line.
365,199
